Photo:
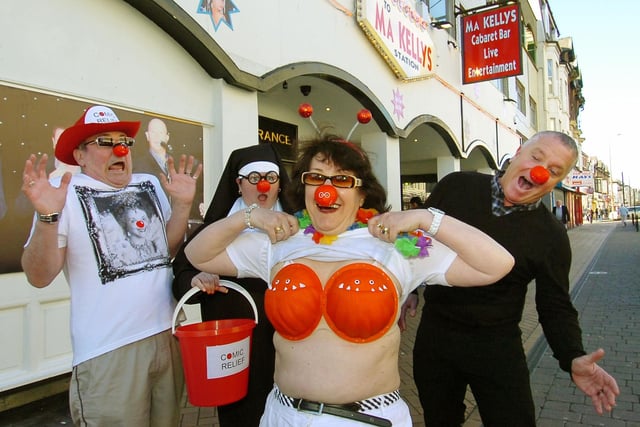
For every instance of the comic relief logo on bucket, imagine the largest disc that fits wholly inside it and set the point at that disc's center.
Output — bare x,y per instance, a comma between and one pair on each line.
228,359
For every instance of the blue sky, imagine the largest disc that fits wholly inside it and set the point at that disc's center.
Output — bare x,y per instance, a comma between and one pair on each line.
605,35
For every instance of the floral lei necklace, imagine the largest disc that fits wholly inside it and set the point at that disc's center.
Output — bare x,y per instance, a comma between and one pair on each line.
410,245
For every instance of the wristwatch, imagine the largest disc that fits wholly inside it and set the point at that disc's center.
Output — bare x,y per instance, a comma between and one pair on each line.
49,218
435,223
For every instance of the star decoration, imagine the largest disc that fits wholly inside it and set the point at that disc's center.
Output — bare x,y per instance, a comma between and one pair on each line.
227,16
398,104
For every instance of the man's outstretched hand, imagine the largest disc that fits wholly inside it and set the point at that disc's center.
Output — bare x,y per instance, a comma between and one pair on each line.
594,381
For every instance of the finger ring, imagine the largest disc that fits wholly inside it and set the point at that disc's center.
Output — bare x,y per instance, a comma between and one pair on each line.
278,229
380,226
385,230
32,183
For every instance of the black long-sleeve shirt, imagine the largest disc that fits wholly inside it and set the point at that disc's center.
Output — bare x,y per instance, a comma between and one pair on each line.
540,246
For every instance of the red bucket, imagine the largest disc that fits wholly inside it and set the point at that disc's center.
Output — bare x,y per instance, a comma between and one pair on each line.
215,354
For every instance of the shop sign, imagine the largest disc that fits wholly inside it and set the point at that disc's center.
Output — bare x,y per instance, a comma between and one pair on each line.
491,45
282,134
400,35
580,179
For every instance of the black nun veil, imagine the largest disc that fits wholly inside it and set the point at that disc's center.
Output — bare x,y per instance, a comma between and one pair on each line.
227,191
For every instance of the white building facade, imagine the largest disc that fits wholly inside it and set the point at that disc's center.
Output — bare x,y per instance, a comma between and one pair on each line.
222,84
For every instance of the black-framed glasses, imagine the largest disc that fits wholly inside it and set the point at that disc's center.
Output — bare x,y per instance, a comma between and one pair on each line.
255,177
340,181
107,141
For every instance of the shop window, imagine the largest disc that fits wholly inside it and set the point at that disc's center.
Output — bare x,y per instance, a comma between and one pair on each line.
438,9
31,122
529,42
533,113
417,185
550,77
442,10
502,85
520,97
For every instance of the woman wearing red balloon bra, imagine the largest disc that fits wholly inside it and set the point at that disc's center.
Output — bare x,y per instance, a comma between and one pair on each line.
338,271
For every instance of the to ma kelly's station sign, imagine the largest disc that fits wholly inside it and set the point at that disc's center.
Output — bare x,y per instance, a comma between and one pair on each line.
400,35
491,45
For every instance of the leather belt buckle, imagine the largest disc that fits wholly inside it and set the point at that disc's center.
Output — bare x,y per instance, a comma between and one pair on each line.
343,411
308,406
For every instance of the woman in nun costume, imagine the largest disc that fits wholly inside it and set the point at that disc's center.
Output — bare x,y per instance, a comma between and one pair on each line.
253,175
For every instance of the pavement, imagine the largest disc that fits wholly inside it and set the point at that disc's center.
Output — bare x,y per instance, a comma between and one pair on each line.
606,292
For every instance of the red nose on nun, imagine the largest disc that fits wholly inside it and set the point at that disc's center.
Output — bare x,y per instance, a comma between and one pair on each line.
326,195
120,150
539,175
263,186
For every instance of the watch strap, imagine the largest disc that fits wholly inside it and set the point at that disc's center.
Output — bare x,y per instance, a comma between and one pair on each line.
49,218
437,220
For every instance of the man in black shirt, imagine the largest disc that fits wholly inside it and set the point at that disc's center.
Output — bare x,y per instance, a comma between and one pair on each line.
471,336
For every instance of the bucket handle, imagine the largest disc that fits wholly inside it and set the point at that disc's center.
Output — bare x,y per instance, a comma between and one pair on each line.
227,284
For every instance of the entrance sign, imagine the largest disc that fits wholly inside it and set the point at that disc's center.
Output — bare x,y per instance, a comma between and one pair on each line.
491,45
401,36
281,134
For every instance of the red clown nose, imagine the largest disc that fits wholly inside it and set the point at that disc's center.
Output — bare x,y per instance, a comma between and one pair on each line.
120,150
326,195
539,175
263,186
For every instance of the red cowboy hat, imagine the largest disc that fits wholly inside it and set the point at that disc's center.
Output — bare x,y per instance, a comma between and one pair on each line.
96,120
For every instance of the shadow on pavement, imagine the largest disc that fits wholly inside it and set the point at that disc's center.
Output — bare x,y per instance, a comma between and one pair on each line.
50,412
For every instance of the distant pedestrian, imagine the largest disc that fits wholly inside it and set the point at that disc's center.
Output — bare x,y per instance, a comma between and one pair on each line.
416,203
624,212
561,212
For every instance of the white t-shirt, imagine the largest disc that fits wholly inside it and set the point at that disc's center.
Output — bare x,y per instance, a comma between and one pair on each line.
117,263
254,255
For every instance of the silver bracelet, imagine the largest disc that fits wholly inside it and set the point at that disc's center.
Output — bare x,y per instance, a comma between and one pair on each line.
247,215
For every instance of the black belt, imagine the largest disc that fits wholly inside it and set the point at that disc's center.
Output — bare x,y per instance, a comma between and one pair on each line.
348,410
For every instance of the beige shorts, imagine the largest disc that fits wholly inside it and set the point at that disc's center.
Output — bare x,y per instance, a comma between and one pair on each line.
139,384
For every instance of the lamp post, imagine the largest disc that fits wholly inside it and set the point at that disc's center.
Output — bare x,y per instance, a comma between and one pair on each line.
623,199
614,197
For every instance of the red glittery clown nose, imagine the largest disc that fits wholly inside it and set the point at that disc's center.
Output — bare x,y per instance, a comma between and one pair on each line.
120,150
263,186
539,175
326,195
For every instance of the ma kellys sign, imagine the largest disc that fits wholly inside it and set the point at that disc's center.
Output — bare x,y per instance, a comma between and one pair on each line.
491,45
401,36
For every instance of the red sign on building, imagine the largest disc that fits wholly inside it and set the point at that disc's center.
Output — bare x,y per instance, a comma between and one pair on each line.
491,45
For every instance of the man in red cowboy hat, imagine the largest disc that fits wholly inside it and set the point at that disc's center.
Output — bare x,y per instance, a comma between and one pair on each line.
113,234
